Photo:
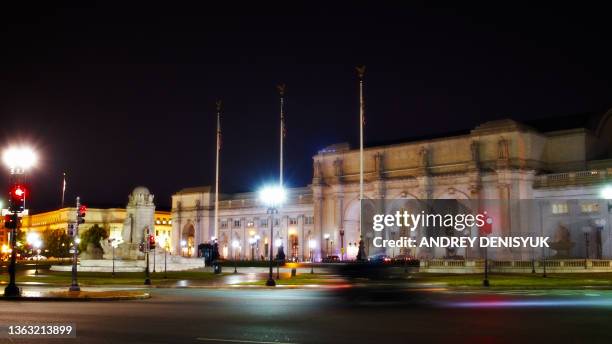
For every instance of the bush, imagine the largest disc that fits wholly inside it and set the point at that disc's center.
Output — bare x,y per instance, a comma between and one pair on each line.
92,236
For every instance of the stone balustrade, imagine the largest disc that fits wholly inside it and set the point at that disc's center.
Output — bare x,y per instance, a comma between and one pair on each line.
516,266
573,178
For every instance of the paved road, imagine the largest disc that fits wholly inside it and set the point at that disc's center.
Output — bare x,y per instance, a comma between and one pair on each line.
315,316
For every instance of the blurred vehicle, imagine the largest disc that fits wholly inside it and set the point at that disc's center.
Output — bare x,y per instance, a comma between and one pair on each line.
331,259
380,258
403,258
37,258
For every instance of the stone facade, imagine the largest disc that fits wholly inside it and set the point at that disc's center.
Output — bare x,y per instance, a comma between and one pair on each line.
494,165
139,213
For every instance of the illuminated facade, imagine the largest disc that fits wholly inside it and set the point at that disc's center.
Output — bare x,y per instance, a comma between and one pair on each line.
112,219
503,160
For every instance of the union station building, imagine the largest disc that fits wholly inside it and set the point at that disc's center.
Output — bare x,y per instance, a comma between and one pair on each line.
563,163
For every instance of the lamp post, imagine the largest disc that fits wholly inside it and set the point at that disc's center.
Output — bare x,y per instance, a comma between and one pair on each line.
33,240
235,245
272,197
37,246
342,244
18,160
599,227
113,242
312,244
586,231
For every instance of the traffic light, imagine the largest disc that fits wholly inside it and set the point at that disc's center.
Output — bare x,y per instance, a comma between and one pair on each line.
81,214
151,241
17,196
10,221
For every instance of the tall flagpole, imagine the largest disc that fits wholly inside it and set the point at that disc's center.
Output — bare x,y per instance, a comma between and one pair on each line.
63,189
216,231
281,91
361,252
360,74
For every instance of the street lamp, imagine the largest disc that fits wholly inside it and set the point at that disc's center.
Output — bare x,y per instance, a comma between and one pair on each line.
312,244
37,244
235,245
586,231
272,197
18,160
114,242
183,245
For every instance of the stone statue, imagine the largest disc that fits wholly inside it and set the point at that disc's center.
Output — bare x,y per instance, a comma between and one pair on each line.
338,168
379,163
140,218
475,150
424,155
502,149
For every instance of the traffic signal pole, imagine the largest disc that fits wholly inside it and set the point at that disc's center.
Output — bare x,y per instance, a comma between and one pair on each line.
74,286
17,198
11,289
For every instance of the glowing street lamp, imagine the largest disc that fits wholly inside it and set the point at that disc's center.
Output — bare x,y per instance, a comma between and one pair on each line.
272,197
37,244
18,160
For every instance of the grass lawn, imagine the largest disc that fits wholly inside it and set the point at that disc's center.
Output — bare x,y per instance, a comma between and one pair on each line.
302,279
105,278
519,281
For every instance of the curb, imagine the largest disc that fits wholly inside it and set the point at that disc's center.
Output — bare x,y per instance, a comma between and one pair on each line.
68,298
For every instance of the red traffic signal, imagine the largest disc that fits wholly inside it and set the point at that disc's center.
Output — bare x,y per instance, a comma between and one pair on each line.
17,196
81,213
151,241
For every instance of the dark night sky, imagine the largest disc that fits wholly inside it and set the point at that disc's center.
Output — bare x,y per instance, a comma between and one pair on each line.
120,96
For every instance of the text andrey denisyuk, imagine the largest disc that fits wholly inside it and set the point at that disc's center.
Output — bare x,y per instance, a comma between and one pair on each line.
458,221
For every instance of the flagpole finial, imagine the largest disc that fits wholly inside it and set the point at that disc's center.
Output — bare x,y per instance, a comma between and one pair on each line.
281,89
360,71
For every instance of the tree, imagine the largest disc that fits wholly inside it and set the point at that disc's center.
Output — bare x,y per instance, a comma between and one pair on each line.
92,236
57,242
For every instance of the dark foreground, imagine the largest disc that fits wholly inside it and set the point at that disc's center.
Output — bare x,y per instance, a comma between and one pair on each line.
313,316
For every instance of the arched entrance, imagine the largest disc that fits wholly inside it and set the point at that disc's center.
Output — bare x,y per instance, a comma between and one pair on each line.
188,240
352,229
